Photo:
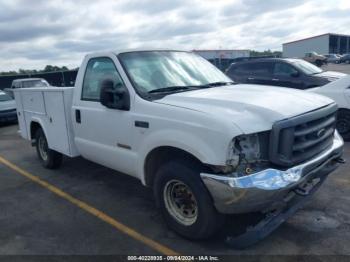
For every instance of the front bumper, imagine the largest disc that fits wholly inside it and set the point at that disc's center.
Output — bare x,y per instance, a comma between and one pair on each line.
267,190
8,116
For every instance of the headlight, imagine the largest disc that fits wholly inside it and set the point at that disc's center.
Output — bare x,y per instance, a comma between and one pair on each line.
247,152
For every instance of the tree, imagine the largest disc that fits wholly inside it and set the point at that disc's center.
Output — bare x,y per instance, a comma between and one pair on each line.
47,69
266,53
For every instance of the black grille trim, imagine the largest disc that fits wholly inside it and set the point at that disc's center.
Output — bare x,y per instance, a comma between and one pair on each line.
295,140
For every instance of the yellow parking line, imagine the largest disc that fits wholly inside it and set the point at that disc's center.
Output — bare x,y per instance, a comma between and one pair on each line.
90,209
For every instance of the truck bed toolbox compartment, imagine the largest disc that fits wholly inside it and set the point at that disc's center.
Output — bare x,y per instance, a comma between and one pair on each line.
51,108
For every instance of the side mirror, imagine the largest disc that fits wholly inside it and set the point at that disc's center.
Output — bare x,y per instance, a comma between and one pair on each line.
112,96
295,74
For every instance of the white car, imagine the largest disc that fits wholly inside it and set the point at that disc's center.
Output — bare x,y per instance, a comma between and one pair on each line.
206,146
339,91
333,58
29,82
7,108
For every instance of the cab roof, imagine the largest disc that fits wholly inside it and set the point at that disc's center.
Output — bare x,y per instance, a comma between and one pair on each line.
117,52
27,79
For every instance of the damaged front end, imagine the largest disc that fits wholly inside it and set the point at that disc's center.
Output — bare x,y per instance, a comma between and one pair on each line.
248,154
276,193
256,184
274,172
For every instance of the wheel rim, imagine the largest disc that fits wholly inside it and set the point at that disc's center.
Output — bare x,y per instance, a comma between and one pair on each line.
343,126
43,148
180,202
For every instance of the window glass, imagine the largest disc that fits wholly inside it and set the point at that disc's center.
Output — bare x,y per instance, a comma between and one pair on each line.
34,83
283,69
16,85
4,97
261,68
97,70
239,69
307,67
152,70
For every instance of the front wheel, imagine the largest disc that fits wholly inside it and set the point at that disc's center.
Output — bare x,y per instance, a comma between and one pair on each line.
48,157
343,124
185,202
319,63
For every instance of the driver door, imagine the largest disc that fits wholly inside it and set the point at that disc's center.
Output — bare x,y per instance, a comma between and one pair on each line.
103,134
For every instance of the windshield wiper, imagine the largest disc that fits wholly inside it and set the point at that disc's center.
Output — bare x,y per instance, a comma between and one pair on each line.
221,83
316,73
174,88
189,87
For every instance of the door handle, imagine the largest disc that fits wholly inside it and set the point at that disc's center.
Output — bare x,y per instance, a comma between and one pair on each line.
77,116
275,79
250,78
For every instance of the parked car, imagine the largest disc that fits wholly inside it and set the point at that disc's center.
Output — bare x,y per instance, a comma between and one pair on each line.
26,83
175,122
29,82
247,58
7,108
333,58
345,59
298,74
286,72
315,58
339,91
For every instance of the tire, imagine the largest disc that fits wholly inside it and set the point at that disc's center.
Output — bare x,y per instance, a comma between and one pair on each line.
178,181
49,158
318,63
347,62
343,124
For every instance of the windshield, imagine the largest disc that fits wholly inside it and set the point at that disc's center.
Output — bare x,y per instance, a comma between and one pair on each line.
4,97
151,70
307,67
35,83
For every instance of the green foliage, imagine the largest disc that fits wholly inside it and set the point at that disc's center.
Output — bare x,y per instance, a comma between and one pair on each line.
48,68
266,53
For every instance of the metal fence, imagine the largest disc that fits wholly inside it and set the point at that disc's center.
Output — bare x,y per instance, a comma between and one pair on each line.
62,78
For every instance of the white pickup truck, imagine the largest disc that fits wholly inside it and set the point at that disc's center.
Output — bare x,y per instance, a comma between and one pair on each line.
207,147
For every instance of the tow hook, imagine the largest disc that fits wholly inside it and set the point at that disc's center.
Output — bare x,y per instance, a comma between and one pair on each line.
340,160
304,189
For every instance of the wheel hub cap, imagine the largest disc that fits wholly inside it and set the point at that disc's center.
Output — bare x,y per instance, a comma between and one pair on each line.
180,202
43,148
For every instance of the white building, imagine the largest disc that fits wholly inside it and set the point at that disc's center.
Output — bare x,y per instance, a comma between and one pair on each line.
222,54
323,44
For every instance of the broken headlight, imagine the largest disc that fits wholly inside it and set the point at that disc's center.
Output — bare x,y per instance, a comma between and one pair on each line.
248,154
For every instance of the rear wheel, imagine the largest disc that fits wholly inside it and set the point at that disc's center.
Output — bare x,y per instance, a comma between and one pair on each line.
48,157
185,202
343,124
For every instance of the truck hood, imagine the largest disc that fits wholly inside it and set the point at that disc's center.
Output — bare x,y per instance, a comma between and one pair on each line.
331,75
252,108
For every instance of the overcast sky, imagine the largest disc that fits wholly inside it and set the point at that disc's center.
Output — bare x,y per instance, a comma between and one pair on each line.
34,33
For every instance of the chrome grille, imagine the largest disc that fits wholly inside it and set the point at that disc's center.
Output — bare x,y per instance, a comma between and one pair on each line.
298,139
